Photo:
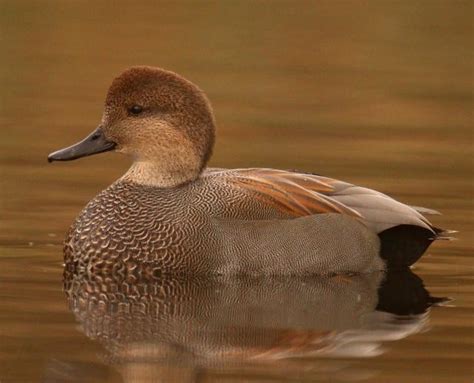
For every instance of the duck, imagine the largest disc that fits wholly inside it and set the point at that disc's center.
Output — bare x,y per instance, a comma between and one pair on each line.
171,214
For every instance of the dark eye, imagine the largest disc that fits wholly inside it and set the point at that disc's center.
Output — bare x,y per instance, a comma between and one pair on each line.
135,110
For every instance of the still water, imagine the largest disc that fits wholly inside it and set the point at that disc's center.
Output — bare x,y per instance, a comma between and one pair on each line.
375,93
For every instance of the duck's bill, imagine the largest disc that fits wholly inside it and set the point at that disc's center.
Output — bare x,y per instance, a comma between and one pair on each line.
94,143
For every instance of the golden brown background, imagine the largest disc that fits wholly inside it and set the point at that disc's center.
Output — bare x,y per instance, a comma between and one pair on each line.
378,93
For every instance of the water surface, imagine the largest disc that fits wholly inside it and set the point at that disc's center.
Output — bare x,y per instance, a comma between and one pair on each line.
375,93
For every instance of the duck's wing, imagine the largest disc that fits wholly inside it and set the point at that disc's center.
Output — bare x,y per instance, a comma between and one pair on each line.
378,210
301,194
292,194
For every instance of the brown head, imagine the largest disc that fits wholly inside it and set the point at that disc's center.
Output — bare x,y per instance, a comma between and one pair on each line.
160,119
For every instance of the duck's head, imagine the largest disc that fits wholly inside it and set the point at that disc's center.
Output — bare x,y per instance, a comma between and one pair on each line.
164,122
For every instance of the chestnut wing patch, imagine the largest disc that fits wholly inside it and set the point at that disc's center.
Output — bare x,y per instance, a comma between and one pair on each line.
296,194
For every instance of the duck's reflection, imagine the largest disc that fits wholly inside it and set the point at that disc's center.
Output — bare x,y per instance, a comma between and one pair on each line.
171,328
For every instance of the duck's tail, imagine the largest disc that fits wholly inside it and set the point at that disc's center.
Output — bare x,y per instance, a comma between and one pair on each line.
403,245
439,234
443,235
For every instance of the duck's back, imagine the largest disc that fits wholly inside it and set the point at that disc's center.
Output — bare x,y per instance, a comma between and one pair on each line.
360,222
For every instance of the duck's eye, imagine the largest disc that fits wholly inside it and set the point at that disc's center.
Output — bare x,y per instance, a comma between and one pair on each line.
135,110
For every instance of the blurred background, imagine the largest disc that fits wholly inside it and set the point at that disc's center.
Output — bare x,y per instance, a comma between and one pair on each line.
378,93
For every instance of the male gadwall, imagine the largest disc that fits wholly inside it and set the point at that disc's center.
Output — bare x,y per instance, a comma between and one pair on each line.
171,214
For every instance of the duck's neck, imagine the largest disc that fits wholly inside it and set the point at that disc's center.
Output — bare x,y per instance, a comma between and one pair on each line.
160,174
